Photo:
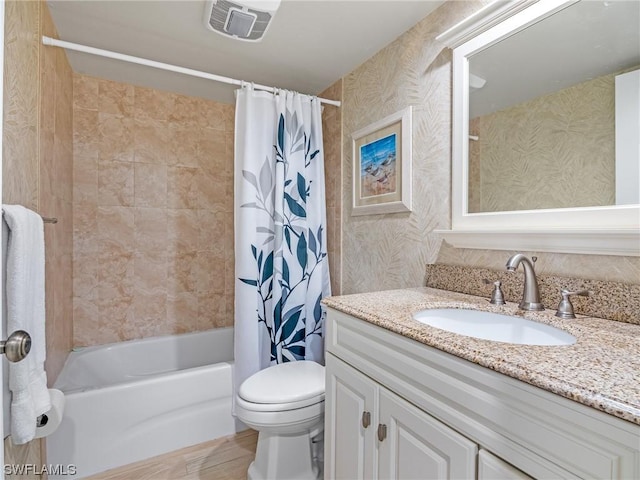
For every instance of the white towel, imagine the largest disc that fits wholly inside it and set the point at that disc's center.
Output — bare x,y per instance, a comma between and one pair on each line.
26,311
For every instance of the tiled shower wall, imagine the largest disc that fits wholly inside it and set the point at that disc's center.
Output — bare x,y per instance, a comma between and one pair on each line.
153,212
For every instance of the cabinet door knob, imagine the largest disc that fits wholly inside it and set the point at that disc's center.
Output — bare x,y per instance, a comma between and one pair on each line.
382,432
366,419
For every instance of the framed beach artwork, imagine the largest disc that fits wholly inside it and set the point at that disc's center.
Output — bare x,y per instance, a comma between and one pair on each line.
382,166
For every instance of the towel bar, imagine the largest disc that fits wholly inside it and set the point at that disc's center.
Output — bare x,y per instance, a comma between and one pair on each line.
45,219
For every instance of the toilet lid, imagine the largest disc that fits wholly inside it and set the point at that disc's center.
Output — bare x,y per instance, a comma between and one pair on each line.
284,383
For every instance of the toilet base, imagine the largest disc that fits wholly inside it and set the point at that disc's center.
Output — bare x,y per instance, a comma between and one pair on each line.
287,457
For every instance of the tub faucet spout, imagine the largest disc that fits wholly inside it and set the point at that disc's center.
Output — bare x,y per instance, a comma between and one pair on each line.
531,294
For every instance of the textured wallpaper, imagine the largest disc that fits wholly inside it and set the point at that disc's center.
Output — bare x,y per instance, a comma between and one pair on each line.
390,251
554,151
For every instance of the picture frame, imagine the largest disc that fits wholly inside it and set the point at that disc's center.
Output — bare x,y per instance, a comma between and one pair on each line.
382,166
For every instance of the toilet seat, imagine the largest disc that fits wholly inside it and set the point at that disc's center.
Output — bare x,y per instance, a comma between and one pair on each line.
278,407
279,420
286,386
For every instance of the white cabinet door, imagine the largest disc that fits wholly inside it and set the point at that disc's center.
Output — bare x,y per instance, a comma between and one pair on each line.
491,467
350,421
417,446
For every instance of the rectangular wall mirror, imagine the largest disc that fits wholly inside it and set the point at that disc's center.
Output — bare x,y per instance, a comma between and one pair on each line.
546,154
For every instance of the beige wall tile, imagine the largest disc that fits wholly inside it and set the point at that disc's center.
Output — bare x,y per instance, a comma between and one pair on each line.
47,170
215,115
112,127
211,235
85,320
182,312
151,230
85,229
61,122
209,197
182,187
153,104
85,92
212,310
185,144
115,183
151,208
115,98
85,276
85,180
183,272
85,129
150,315
209,281
186,112
183,230
47,108
150,273
116,229
153,142
212,152
115,294
150,185
229,240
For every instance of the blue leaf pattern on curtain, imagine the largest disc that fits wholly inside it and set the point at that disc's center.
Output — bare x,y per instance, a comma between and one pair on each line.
289,247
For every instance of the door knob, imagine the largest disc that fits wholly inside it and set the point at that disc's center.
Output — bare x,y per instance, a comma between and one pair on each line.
17,346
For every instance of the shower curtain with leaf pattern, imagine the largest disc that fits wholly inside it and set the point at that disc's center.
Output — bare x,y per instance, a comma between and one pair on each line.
281,264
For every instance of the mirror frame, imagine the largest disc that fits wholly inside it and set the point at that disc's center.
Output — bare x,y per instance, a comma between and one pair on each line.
606,230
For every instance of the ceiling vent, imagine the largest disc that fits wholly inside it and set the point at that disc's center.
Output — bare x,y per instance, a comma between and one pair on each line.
242,19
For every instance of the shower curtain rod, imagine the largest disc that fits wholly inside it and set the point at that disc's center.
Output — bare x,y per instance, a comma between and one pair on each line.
162,66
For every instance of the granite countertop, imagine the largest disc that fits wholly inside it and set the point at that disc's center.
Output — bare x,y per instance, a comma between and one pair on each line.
601,370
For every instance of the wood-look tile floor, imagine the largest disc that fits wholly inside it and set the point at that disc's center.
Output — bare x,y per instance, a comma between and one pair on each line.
226,458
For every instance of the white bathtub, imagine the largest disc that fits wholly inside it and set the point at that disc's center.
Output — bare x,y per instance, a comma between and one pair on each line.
133,400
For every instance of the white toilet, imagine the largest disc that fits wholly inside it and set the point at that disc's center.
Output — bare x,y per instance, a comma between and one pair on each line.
285,404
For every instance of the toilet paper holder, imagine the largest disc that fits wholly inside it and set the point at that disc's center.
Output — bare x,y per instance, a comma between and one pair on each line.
48,422
42,420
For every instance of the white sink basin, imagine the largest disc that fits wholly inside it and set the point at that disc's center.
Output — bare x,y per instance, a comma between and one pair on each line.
493,326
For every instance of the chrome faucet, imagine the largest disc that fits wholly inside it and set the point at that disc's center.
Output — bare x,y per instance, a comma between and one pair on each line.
530,294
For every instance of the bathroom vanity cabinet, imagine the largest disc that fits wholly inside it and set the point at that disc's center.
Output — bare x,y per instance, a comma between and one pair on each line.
397,408
390,429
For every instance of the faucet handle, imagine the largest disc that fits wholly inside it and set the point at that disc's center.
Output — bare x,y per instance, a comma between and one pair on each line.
497,297
565,307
